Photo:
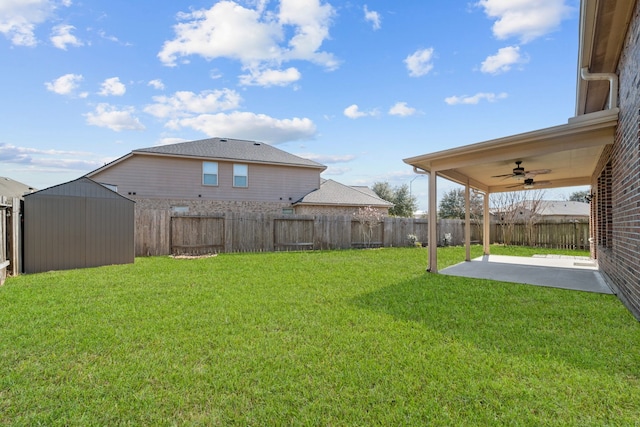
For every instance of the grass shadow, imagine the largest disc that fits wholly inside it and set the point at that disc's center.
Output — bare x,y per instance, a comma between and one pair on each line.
586,330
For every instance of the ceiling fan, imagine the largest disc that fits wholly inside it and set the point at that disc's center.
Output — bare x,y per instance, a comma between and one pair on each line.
529,183
519,172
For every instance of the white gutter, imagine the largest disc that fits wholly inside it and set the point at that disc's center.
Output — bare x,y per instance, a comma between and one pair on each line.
613,83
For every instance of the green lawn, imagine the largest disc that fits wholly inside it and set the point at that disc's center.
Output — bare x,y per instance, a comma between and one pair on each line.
361,337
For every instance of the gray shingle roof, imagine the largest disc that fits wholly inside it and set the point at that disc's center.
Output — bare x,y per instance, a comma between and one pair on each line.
12,188
231,149
553,207
334,193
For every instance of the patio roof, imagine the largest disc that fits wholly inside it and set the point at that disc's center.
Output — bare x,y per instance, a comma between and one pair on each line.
570,153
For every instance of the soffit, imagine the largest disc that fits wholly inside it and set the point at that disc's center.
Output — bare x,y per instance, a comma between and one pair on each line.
570,151
603,29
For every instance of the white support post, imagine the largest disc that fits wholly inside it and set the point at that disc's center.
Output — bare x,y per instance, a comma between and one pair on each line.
467,221
433,219
486,225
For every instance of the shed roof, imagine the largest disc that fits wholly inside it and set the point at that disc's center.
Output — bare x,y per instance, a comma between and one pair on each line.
81,187
13,188
337,194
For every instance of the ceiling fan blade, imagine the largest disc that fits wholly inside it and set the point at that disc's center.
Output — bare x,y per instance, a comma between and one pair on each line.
537,172
501,176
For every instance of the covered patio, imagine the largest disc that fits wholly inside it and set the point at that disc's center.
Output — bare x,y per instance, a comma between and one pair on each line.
556,271
568,155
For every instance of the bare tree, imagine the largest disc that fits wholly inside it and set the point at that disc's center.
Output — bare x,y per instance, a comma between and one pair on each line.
533,205
369,218
517,207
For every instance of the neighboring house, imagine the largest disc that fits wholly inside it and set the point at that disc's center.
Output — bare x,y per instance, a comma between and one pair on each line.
549,211
600,147
10,188
333,198
212,175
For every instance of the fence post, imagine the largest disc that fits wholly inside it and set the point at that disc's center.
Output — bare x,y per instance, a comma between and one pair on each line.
228,232
15,257
387,232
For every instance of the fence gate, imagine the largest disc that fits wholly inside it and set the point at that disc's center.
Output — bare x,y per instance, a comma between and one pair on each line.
197,235
293,234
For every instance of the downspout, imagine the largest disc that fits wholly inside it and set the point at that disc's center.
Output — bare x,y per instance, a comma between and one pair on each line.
613,83
420,171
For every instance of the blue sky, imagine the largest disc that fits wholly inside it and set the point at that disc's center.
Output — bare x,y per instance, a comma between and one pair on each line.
355,85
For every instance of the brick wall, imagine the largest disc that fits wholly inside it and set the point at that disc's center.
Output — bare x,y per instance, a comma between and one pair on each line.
617,214
332,210
208,207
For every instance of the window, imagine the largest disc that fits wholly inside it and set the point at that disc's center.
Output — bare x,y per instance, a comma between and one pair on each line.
209,173
180,209
240,175
287,211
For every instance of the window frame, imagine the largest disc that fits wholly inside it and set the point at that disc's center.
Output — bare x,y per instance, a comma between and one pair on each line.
238,175
205,174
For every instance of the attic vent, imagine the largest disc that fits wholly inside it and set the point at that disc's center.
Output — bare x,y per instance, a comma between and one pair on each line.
256,143
223,140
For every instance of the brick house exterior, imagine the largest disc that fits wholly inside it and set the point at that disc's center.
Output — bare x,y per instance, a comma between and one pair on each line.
615,208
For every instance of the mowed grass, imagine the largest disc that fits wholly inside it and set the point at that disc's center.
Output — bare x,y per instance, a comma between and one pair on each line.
361,337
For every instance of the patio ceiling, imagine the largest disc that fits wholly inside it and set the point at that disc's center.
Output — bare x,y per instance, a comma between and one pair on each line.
569,151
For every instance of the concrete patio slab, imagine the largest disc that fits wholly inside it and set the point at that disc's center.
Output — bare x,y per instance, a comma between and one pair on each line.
557,271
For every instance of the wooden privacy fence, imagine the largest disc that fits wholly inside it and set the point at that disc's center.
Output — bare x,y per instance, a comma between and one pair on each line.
560,235
158,232
10,237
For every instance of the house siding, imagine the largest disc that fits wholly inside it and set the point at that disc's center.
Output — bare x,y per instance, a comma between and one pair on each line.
160,177
616,183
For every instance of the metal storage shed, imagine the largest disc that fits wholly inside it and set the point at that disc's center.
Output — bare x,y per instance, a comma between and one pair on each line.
77,224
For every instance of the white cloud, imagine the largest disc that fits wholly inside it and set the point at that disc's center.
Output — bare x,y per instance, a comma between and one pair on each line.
251,126
475,99
186,103
373,17
57,159
108,116
268,78
64,85
335,171
19,18
420,62
503,60
112,86
402,109
255,37
326,158
156,84
525,19
61,37
169,140
353,112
